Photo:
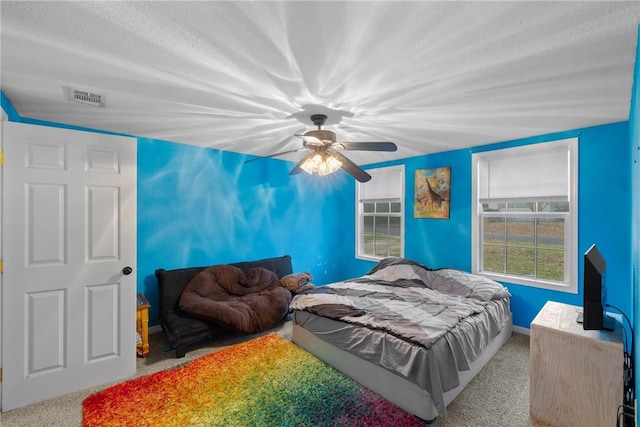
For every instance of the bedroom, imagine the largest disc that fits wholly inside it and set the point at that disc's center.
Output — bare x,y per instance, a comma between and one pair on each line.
180,211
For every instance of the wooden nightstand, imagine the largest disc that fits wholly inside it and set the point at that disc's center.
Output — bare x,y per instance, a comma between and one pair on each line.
142,322
576,375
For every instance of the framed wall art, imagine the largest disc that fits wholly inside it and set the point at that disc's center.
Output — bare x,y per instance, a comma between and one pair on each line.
432,193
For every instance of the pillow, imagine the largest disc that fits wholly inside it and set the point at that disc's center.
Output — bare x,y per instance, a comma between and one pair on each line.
297,282
391,261
392,269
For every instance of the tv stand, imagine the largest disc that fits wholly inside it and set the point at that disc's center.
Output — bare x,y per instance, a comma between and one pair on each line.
576,375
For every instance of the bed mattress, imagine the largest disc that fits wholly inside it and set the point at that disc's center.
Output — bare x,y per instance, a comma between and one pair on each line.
436,369
425,326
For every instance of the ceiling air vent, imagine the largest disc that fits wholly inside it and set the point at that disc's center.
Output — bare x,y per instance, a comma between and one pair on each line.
84,97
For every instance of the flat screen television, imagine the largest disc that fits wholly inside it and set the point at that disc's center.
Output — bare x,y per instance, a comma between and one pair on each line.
595,293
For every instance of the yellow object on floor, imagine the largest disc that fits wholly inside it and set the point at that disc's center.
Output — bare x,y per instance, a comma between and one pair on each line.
142,322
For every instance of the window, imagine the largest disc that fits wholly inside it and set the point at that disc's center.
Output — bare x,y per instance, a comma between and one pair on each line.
524,224
380,212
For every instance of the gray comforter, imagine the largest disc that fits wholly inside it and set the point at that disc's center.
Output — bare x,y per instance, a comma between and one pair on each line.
424,325
405,299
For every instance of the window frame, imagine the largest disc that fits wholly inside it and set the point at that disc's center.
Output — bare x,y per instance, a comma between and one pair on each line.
360,214
571,262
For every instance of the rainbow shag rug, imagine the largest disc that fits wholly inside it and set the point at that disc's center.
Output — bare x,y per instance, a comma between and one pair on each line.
267,381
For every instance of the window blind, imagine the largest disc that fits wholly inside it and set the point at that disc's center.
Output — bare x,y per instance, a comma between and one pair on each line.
531,173
385,184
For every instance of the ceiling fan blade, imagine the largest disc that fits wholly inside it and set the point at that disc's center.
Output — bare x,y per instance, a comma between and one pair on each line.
352,169
366,146
282,153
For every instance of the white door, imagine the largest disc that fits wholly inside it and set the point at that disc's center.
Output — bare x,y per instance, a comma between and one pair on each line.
69,230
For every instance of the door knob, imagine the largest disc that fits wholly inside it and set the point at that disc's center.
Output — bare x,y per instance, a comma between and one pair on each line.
127,270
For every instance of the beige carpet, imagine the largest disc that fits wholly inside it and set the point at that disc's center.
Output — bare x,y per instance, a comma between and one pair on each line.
498,396
66,410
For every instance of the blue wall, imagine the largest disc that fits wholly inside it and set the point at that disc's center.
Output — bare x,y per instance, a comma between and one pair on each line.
200,206
634,160
603,216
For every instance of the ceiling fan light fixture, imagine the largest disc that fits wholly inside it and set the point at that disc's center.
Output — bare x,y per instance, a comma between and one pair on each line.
330,165
321,165
311,164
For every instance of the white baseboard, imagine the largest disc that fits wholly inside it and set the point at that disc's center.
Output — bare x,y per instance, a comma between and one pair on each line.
155,329
521,330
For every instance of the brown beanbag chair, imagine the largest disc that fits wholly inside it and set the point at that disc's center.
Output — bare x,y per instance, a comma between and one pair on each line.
246,302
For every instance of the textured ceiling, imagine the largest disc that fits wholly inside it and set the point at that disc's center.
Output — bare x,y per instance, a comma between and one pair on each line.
245,76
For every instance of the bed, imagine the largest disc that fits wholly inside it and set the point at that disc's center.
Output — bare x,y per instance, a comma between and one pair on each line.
415,335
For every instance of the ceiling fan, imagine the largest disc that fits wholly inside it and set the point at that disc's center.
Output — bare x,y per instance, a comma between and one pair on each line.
326,156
